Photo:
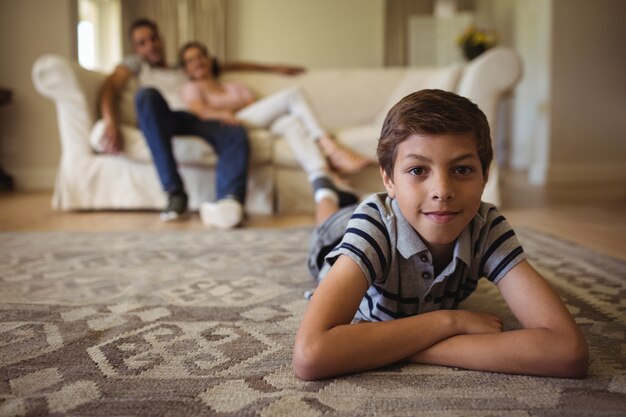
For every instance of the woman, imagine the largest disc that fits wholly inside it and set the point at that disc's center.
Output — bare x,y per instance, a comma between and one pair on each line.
233,103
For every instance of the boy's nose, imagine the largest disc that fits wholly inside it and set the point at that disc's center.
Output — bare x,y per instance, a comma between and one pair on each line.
442,189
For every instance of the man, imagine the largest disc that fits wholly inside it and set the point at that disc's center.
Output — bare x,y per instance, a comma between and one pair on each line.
161,116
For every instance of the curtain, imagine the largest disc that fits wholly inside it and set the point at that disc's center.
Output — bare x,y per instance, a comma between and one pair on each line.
180,21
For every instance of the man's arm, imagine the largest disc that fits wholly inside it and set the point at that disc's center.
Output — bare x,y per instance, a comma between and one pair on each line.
327,344
250,66
550,343
112,138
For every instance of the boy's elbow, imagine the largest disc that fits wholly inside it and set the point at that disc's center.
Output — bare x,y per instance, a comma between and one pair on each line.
574,359
580,361
306,362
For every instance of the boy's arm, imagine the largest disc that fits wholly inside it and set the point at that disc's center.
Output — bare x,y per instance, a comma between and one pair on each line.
550,343
327,344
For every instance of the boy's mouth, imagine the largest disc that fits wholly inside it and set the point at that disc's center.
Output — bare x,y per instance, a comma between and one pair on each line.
441,216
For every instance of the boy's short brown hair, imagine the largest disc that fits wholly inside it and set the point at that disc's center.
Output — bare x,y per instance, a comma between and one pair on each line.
433,112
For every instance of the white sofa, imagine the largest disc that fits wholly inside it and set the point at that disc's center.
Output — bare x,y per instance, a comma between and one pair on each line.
351,103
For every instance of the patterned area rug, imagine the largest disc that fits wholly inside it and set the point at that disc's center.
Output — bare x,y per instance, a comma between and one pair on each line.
202,323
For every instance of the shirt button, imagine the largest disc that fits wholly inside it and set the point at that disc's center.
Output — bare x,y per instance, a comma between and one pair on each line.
428,298
424,258
426,275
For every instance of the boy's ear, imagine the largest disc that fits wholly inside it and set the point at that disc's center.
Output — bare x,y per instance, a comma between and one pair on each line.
388,182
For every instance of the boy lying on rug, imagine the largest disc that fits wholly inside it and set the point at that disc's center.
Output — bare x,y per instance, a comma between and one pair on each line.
393,270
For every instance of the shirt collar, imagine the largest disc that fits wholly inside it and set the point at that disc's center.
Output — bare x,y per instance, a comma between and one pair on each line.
409,241
463,245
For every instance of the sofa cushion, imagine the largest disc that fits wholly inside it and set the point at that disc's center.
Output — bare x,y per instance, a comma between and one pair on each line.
188,150
362,139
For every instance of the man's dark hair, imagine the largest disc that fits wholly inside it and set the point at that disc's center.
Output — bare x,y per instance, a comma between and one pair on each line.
433,112
141,22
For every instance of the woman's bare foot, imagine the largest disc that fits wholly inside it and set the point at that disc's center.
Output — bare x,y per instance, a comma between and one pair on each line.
341,158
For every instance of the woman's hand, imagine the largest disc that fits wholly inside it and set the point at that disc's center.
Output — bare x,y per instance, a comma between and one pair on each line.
228,118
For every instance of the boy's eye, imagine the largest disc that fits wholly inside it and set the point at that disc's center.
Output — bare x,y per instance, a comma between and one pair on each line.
463,170
417,171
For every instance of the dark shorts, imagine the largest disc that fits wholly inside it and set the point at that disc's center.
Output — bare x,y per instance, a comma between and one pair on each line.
325,237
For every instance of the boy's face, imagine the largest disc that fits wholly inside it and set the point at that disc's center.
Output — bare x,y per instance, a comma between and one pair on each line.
438,182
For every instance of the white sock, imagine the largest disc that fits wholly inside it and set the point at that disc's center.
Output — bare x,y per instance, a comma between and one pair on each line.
326,193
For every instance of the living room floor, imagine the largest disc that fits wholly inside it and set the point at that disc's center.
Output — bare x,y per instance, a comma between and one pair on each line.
593,217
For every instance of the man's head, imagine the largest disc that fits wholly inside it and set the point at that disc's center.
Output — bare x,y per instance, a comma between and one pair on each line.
433,112
146,41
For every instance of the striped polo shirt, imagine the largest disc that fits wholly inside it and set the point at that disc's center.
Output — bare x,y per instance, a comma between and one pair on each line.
399,267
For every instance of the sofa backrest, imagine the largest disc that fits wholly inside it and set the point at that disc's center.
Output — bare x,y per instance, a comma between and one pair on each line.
356,96
340,97
415,79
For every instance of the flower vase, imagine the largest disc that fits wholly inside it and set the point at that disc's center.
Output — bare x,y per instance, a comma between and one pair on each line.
471,51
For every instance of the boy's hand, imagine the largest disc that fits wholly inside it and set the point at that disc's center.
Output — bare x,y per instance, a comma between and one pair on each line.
548,344
465,323
474,322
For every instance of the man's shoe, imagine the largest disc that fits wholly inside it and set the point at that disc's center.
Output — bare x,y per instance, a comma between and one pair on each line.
176,207
224,214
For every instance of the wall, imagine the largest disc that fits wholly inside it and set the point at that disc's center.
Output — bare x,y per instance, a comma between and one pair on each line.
569,110
524,25
588,93
531,119
312,33
29,140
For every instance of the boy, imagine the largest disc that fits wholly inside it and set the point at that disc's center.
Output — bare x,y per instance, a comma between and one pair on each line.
392,280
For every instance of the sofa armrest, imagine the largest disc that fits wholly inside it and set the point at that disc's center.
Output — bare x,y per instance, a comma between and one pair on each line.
490,76
74,91
485,81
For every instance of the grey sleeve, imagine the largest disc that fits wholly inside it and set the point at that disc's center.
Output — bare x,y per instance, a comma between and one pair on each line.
502,249
133,63
366,241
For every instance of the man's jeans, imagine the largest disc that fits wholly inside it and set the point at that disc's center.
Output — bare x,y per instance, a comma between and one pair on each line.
159,124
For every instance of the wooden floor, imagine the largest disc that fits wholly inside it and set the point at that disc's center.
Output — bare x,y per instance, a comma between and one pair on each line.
587,217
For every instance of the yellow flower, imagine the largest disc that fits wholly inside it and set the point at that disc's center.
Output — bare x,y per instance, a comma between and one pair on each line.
474,41
474,36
